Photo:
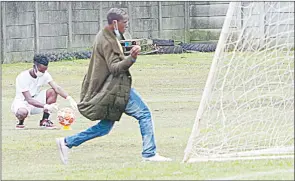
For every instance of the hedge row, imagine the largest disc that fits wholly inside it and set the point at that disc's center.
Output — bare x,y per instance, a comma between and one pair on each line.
162,47
67,55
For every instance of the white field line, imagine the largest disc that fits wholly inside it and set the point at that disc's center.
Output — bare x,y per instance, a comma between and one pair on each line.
249,175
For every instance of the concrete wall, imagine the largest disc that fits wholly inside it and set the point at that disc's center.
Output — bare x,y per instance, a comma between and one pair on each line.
18,29
206,20
30,27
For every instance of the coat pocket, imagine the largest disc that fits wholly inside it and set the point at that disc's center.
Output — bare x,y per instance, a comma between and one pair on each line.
87,110
93,112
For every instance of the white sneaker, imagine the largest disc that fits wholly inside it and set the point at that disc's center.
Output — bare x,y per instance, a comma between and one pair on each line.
63,150
157,158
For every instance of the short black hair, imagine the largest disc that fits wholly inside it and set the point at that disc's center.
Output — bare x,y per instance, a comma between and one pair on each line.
41,59
116,14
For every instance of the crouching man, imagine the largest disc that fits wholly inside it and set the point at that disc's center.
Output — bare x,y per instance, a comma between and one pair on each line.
29,99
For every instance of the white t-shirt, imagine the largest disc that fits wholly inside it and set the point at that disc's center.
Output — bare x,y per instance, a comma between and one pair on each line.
25,82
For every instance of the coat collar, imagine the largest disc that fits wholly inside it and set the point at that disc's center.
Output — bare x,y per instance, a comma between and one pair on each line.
112,35
109,33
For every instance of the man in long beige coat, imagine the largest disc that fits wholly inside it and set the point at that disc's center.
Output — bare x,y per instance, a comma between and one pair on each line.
106,91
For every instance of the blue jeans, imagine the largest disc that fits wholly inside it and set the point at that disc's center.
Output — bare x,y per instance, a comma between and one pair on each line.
135,108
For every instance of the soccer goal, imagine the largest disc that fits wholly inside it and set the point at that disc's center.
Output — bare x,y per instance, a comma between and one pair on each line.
247,107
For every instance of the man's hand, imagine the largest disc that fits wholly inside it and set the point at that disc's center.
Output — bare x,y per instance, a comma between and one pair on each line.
72,102
51,107
135,51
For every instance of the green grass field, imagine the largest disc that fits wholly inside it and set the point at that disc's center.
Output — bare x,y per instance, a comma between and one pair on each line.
171,85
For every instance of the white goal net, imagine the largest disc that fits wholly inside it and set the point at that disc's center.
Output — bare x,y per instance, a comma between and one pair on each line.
247,107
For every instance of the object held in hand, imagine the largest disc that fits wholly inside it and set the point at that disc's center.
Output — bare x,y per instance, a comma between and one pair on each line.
66,117
128,44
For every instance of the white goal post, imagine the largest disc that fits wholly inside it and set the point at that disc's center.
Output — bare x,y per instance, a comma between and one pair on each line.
247,107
